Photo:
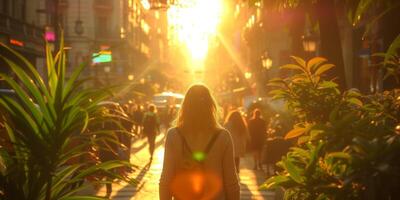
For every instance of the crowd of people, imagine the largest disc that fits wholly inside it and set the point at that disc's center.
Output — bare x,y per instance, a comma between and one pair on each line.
127,122
197,138
202,155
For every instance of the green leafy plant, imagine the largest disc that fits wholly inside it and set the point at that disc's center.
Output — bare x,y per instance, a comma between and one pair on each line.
47,149
348,146
391,60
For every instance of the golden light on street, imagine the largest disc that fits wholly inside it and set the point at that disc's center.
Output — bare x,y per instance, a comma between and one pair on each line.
146,4
193,25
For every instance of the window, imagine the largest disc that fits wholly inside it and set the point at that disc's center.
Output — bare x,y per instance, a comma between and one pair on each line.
102,27
4,6
18,9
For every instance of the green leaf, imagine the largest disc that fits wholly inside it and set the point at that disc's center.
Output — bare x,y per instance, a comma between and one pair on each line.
320,70
353,93
314,62
392,50
314,155
296,132
327,84
293,171
355,101
341,155
276,82
303,139
375,19
300,61
292,66
362,7
275,182
316,134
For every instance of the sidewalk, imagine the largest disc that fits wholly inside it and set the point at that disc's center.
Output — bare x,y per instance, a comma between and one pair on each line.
149,176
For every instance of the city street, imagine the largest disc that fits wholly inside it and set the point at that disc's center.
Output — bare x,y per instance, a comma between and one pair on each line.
149,176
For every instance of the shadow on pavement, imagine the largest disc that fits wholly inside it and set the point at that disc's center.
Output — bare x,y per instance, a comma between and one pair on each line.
144,144
131,190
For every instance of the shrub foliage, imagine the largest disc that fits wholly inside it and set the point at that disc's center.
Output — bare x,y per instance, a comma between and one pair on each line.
46,146
348,144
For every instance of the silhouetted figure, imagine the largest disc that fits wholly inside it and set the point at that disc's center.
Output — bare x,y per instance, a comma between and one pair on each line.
236,125
151,126
257,130
198,158
137,117
171,115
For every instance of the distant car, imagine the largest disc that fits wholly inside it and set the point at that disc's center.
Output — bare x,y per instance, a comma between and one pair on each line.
165,99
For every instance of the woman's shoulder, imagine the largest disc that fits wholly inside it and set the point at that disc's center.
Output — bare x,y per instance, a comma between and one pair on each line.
172,133
224,133
227,126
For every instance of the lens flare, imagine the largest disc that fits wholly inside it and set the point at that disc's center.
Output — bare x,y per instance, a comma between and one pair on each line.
197,182
193,24
204,185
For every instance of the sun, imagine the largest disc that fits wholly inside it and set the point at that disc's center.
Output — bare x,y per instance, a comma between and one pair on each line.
193,25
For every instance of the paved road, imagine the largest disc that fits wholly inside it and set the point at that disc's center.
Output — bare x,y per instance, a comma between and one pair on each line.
149,176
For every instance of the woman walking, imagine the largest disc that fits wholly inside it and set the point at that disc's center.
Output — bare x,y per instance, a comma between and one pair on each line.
199,155
236,125
151,127
257,130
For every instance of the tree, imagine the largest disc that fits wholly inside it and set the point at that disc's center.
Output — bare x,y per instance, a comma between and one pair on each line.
325,15
331,47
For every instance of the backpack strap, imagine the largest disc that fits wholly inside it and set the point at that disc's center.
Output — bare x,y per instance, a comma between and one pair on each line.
211,143
208,147
184,142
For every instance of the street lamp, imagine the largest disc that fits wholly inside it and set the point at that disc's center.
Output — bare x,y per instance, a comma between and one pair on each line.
107,69
247,75
79,27
309,43
266,61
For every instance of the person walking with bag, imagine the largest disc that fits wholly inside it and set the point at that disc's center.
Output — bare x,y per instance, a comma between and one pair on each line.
199,154
151,126
236,125
258,131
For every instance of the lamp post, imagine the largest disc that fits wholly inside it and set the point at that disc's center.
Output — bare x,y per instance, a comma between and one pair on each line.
78,23
266,61
107,70
309,45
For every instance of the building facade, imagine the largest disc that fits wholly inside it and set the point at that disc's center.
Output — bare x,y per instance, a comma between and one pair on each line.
116,37
22,29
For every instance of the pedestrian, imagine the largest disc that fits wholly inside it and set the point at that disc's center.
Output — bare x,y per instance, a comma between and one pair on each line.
257,129
151,126
137,119
236,125
171,116
199,155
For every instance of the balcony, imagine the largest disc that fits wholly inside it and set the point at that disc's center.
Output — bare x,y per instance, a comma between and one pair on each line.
103,6
13,26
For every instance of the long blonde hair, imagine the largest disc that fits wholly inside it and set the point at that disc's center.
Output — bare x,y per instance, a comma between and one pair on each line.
235,119
198,111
